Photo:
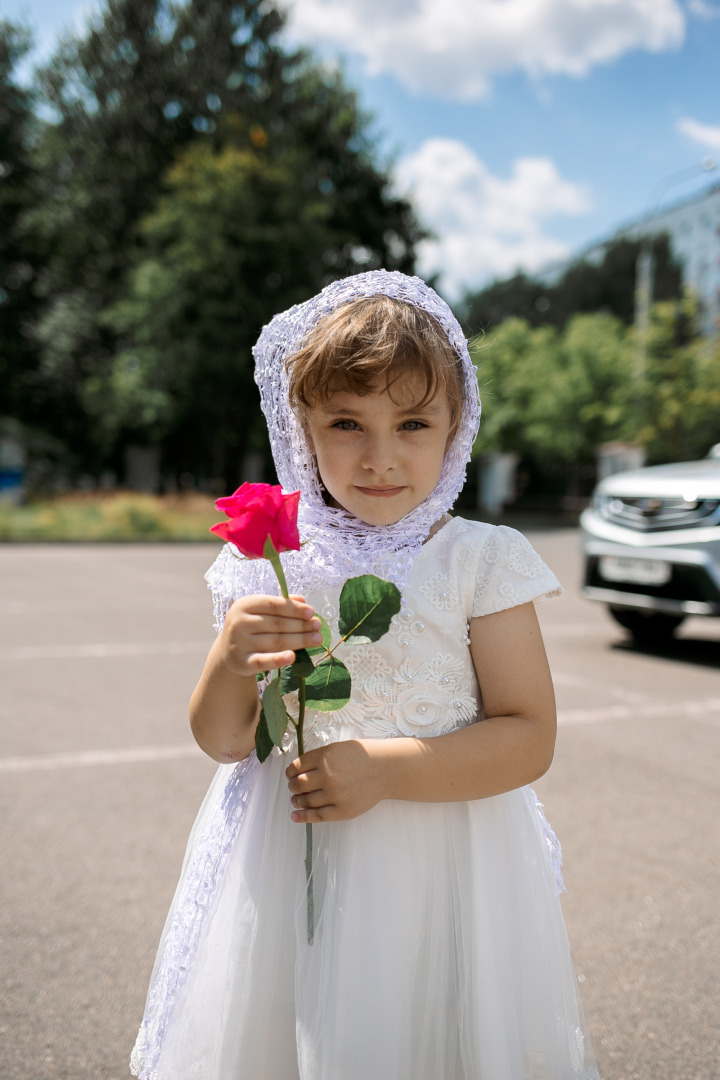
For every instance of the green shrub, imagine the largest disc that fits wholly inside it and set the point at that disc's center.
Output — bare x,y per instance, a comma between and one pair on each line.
121,516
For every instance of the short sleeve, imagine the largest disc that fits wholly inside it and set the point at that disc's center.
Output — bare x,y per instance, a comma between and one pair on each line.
509,572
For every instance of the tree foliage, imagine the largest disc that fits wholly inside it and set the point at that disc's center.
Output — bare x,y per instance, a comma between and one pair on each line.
554,396
677,406
234,239
178,175
152,101
585,287
19,256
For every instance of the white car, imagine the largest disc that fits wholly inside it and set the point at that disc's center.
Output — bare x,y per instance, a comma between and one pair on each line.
652,545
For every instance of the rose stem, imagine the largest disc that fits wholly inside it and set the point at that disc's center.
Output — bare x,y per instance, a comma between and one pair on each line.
308,827
272,554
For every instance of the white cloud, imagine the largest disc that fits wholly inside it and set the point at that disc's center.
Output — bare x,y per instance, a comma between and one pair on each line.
454,48
708,135
703,9
485,226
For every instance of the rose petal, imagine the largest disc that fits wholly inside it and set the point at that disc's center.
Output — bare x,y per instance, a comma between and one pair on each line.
257,511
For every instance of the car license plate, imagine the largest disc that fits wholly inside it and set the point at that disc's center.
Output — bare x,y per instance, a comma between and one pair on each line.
637,571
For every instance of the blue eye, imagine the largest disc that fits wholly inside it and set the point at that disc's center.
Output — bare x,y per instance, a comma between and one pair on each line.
345,425
414,425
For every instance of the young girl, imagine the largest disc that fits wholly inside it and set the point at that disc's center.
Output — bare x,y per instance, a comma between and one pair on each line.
439,950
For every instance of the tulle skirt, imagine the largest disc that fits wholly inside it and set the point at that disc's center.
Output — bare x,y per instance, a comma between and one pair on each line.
438,951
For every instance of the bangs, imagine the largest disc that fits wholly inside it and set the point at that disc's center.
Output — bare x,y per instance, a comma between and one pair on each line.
372,344
360,375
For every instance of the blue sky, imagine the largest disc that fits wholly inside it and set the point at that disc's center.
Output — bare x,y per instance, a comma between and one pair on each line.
524,129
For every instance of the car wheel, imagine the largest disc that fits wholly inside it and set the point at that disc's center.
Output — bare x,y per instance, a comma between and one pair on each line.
646,626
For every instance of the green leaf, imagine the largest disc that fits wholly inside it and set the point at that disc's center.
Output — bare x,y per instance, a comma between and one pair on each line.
263,742
367,605
303,665
261,675
276,716
325,631
328,688
288,681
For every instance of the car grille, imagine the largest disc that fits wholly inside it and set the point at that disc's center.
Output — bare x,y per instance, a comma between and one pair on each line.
655,515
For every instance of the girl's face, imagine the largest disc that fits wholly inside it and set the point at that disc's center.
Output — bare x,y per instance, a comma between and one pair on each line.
377,459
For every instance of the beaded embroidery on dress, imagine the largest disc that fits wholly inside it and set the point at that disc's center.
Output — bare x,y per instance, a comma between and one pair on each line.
440,951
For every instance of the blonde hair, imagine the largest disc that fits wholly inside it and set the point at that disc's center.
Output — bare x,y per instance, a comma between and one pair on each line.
370,340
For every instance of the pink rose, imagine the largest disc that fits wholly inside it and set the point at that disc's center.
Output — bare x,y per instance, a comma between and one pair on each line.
257,511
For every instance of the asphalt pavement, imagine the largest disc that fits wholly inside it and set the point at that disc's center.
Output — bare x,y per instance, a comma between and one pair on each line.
100,647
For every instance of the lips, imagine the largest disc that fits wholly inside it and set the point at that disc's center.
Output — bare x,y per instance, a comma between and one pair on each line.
381,492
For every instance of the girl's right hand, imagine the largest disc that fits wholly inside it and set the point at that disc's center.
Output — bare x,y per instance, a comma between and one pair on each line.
261,633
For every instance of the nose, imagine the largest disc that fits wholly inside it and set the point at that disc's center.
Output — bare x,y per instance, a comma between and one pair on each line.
379,454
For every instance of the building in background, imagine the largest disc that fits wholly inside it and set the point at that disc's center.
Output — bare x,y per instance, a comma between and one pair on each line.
693,226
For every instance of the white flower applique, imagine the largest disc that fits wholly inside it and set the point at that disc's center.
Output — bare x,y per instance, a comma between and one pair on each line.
364,663
481,587
499,567
468,556
442,591
524,560
418,698
492,550
507,596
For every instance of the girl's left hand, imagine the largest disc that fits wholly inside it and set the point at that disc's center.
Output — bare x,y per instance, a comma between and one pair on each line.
335,782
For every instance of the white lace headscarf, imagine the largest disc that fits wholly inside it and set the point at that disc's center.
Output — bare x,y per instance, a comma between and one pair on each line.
339,545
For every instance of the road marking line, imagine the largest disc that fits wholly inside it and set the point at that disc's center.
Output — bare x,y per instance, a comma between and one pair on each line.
26,607
98,650
608,713
85,758
149,754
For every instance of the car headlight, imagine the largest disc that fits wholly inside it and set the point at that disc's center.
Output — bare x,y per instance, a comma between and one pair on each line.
606,505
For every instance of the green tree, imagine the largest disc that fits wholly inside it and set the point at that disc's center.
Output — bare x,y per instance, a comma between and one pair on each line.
146,82
586,286
555,395
504,362
584,400
235,238
676,407
19,256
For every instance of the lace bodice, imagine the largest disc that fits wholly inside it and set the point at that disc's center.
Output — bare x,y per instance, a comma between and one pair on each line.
419,679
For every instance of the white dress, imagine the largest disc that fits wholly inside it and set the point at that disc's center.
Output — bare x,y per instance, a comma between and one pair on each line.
439,950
